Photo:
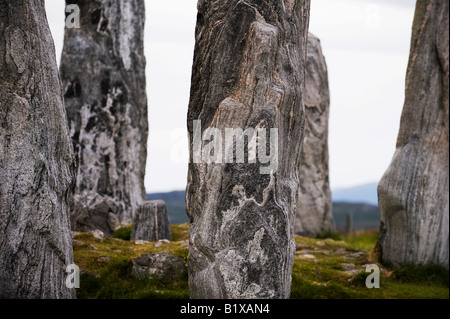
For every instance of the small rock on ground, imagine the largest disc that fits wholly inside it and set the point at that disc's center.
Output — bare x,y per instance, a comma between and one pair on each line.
98,234
299,246
347,266
307,256
354,271
355,255
141,242
162,242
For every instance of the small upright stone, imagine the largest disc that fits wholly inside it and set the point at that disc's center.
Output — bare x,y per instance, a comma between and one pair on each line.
314,210
151,222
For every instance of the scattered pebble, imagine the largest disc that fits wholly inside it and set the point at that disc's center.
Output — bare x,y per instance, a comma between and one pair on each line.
321,244
348,267
354,271
104,259
98,234
305,251
341,251
355,255
141,242
75,234
319,284
162,242
299,246
307,256
322,252
77,243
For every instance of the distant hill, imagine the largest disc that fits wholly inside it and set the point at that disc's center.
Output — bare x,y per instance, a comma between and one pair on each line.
366,193
365,216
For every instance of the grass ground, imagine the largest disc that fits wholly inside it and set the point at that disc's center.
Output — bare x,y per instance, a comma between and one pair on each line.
318,271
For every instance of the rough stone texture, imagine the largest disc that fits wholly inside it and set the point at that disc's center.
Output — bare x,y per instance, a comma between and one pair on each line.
414,192
163,267
93,212
151,222
248,72
36,158
103,75
314,211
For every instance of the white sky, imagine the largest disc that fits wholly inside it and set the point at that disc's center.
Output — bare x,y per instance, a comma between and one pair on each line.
366,45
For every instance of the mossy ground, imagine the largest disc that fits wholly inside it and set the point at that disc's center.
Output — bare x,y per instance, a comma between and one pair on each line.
106,270
325,278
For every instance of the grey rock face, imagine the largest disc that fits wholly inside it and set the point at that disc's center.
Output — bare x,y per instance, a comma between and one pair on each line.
103,75
314,212
163,267
151,222
92,212
414,192
36,159
248,73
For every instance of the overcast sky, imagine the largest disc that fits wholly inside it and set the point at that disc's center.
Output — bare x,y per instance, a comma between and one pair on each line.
366,46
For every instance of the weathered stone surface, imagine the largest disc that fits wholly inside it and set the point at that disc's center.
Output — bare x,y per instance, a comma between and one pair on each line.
163,267
103,75
347,266
91,212
314,211
36,158
248,73
151,222
414,192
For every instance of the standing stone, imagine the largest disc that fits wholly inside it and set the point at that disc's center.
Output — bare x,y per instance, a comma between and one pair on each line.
314,210
151,222
103,75
414,192
248,74
90,213
36,158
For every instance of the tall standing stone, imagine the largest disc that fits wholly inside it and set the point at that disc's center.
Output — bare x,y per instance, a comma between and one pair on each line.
36,158
248,74
414,192
314,211
103,74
